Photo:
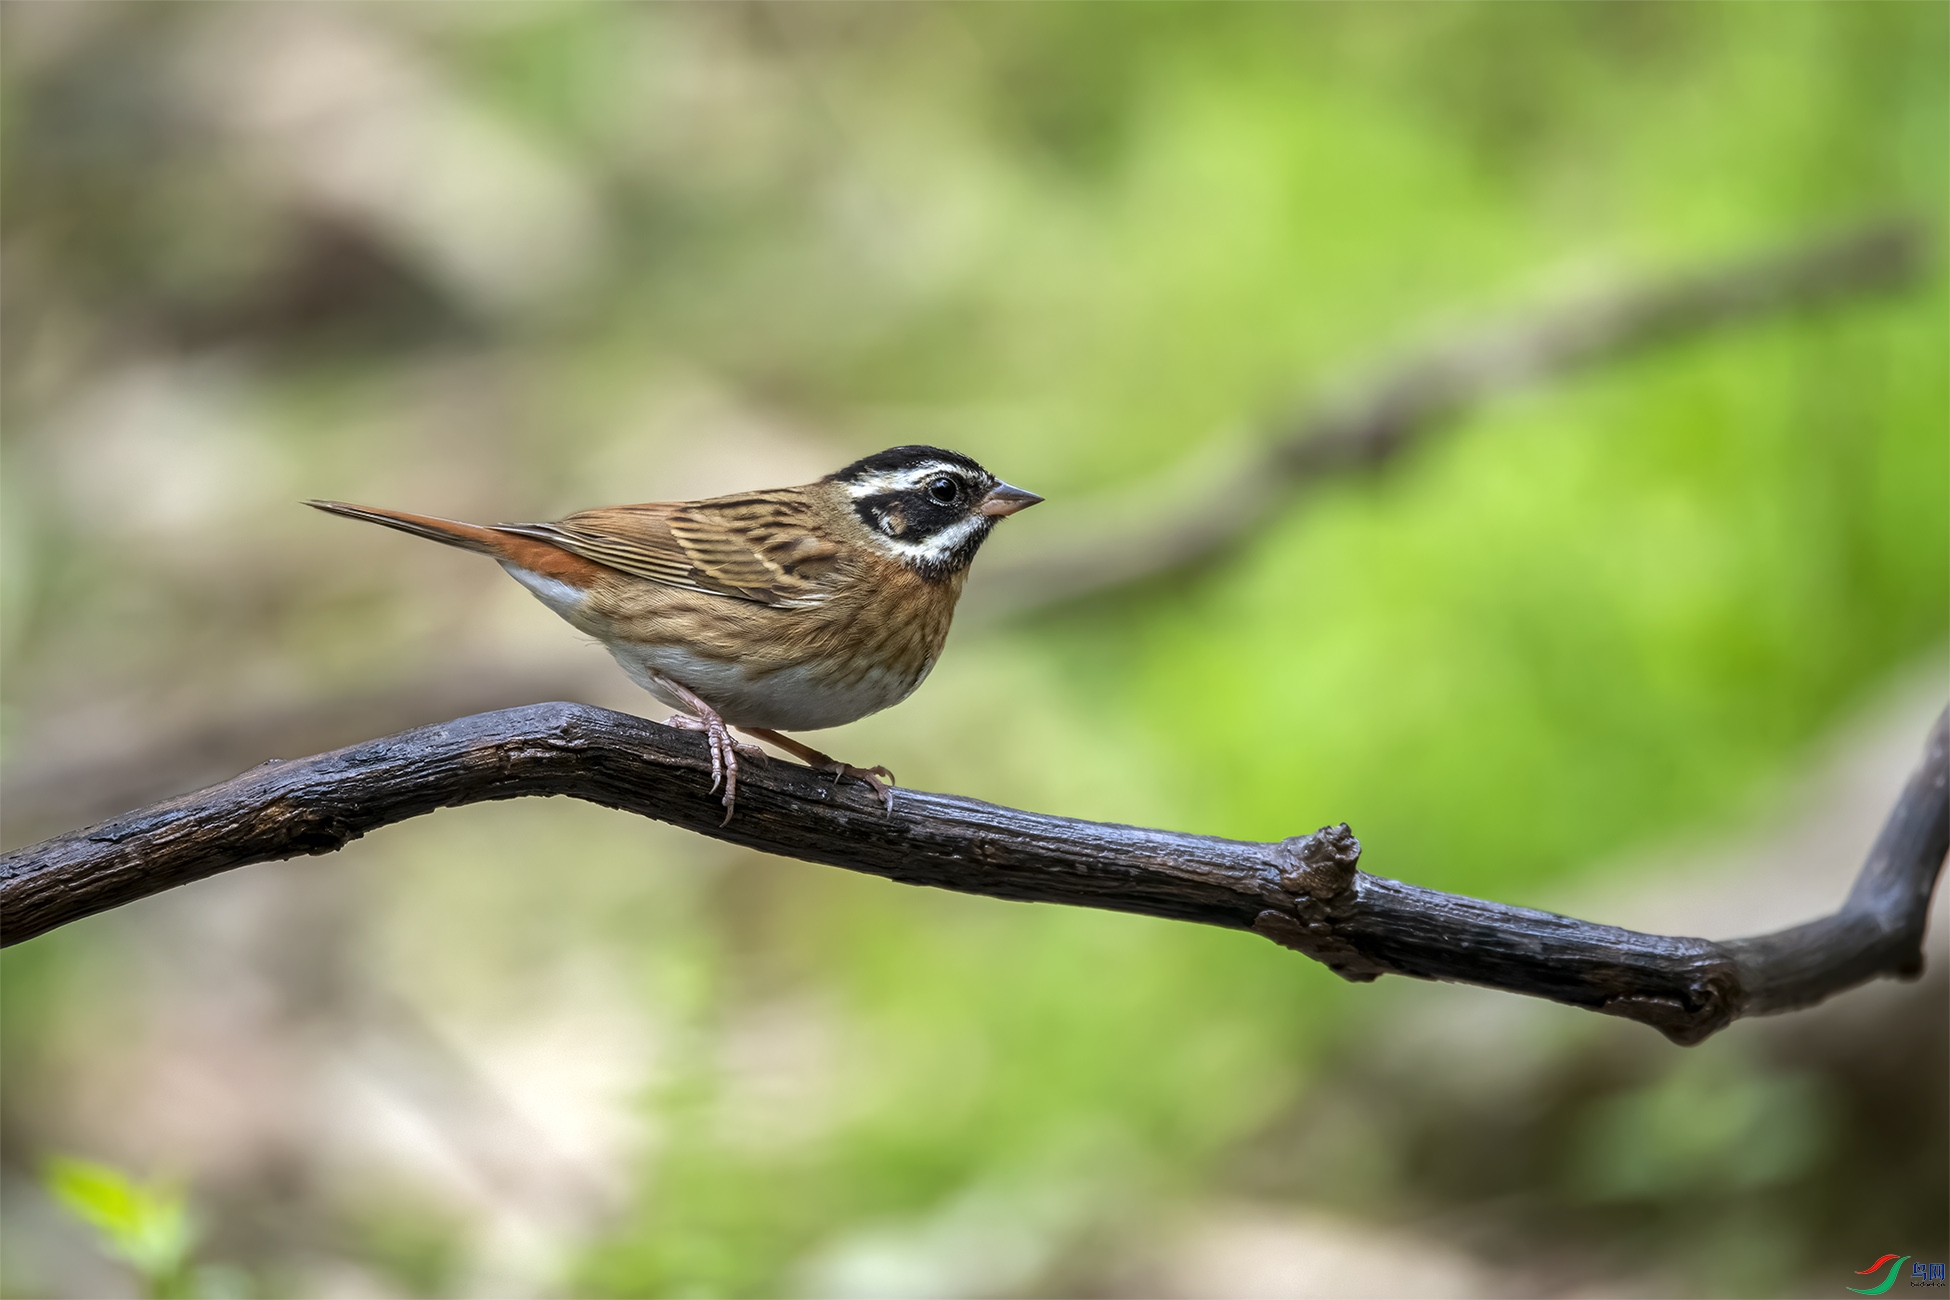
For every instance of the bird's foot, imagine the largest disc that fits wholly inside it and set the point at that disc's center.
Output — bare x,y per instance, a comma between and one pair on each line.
725,749
813,758
872,776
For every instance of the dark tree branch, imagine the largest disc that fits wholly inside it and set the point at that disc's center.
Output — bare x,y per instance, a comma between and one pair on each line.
1369,424
1305,893
108,769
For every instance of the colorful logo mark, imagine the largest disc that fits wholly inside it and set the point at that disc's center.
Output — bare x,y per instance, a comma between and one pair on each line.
1920,1274
1886,1282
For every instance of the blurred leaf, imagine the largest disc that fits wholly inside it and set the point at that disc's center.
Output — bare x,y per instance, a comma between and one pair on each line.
1706,1128
147,1226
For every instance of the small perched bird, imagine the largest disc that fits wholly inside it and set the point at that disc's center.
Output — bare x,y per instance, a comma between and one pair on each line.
790,609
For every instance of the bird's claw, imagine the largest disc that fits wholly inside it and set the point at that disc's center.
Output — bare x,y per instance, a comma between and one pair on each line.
883,789
827,763
724,749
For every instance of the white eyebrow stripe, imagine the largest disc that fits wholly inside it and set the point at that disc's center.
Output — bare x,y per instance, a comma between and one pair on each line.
905,480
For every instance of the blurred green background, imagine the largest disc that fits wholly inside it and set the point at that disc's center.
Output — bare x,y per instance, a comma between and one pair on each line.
1613,642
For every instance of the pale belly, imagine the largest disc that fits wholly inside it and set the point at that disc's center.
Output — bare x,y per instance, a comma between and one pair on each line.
791,699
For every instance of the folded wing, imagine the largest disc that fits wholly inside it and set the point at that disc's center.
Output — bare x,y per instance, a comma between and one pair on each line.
761,548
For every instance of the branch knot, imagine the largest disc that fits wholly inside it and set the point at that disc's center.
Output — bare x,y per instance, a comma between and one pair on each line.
1317,877
1321,866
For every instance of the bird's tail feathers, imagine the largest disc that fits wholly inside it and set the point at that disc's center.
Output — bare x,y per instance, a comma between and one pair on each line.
469,537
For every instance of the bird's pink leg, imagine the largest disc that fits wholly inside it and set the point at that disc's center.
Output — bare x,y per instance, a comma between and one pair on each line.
725,748
807,754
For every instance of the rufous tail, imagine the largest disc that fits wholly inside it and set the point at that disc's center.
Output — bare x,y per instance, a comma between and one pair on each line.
510,548
469,537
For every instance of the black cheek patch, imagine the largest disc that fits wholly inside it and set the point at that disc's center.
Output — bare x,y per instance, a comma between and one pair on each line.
931,517
875,511
912,517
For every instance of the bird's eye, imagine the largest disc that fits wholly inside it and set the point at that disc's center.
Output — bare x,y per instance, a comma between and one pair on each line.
943,490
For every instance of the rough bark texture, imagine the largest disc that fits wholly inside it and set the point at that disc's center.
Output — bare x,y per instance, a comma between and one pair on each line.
1306,893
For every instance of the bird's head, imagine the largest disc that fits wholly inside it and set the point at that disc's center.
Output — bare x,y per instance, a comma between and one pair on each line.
928,508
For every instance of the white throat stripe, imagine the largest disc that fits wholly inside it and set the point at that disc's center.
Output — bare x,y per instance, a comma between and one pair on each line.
942,544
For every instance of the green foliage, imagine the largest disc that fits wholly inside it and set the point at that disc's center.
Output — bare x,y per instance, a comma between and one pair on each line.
147,1226
1705,1130
1710,1147
416,1248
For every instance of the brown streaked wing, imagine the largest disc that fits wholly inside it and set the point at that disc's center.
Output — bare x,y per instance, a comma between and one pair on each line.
756,548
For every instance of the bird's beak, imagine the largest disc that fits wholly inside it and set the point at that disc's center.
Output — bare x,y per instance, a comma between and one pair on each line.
1005,500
